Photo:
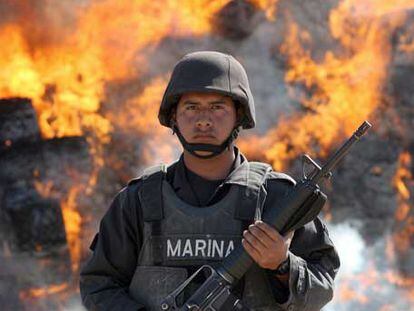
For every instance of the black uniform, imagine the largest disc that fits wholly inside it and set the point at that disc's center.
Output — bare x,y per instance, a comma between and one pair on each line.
106,278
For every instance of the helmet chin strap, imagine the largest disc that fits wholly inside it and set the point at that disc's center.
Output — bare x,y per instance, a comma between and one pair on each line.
214,149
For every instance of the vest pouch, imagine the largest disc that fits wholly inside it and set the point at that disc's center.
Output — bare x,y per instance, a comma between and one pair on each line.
151,284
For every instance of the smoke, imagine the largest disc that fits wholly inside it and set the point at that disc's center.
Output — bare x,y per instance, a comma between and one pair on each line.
42,22
364,281
350,246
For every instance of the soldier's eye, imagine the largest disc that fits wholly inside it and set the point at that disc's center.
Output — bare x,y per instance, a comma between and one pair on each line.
191,107
217,107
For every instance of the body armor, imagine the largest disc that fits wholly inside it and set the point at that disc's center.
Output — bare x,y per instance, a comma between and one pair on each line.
177,236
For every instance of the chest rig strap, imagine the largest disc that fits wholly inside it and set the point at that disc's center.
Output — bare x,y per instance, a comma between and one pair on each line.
150,196
253,195
150,193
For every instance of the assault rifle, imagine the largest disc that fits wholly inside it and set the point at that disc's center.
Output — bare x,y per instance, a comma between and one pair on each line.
292,212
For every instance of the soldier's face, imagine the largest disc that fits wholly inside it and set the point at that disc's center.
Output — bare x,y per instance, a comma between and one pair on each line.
206,118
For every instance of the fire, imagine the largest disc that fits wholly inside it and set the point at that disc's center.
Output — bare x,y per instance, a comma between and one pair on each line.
365,281
346,88
121,29
403,174
44,189
72,221
403,282
139,121
43,291
66,79
65,94
143,117
356,287
403,180
17,60
348,293
268,6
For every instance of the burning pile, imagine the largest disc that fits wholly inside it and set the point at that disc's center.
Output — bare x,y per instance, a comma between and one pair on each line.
95,71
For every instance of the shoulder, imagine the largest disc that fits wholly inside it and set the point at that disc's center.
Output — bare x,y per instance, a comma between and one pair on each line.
148,172
274,176
275,183
271,175
266,170
162,170
129,193
279,184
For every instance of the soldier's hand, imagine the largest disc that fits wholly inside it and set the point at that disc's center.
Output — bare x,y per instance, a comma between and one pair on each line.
265,245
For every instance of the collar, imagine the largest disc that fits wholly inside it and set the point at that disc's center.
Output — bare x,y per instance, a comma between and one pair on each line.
238,173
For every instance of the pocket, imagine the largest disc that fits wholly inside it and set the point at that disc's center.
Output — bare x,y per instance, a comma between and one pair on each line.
151,284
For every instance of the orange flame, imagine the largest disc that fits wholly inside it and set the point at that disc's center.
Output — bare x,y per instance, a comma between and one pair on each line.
72,221
346,89
44,189
348,293
140,118
373,279
403,174
65,91
66,80
43,291
268,6
402,238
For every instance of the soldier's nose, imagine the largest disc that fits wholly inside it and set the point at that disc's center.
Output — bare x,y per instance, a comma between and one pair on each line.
204,120
204,123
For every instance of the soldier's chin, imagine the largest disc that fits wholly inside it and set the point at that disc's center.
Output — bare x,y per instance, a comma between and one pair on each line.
203,153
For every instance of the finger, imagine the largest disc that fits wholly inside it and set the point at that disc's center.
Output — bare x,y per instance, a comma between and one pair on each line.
260,235
251,250
269,230
254,242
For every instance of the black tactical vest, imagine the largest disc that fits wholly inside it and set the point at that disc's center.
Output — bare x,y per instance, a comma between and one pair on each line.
177,235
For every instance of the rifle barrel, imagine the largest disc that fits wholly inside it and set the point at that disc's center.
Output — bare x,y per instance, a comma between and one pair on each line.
340,153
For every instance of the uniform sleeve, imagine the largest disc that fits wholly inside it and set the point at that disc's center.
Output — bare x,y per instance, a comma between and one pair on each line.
314,263
105,278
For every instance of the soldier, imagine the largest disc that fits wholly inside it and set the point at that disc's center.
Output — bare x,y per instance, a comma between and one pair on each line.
165,224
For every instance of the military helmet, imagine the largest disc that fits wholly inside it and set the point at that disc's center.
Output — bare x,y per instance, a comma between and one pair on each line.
209,71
